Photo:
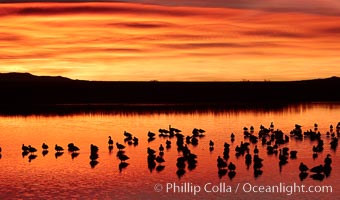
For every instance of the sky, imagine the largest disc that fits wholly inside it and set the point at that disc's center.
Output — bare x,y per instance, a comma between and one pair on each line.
178,40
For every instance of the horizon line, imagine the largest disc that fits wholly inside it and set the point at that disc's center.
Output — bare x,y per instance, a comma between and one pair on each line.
155,80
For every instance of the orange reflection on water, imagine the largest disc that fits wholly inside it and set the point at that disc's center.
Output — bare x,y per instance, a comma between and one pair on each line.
47,175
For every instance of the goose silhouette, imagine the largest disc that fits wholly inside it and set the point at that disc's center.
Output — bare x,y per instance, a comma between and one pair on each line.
44,146
160,159
317,169
231,166
150,151
127,134
72,148
211,143
161,148
221,163
168,144
293,154
328,160
94,156
110,142
24,148
256,150
31,149
135,141
120,146
303,167
151,134
94,149
58,148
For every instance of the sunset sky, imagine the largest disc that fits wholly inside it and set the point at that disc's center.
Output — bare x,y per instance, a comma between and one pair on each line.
178,40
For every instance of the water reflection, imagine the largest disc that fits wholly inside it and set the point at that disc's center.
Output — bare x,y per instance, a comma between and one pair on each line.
147,109
248,145
58,154
44,152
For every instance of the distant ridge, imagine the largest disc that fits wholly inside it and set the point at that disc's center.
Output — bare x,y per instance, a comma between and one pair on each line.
23,90
15,76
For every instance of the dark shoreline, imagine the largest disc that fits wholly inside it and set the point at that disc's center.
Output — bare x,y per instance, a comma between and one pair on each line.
25,93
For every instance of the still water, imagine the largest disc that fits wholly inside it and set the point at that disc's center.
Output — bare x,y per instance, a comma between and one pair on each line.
65,177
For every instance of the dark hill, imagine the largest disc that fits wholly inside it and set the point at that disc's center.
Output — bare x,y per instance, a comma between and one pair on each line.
22,89
27,77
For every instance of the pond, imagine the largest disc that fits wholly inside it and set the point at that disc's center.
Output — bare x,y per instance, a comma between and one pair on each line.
72,175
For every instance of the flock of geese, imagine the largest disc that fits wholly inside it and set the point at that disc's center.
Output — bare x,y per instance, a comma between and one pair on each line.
269,137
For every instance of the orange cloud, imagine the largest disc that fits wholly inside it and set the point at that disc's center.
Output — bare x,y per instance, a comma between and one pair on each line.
126,41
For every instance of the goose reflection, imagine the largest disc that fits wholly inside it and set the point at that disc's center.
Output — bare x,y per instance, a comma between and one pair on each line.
151,165
44,152
32,157
180,173
151,159
74,155
151,139
257,172
317,176
58,154
122,157
110,149
232,168
24,153
231,174
93,163
160,168
222,172
122,166
303,175
168,144
94,155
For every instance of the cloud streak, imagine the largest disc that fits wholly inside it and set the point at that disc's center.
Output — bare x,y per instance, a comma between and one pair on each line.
318,7
129,41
